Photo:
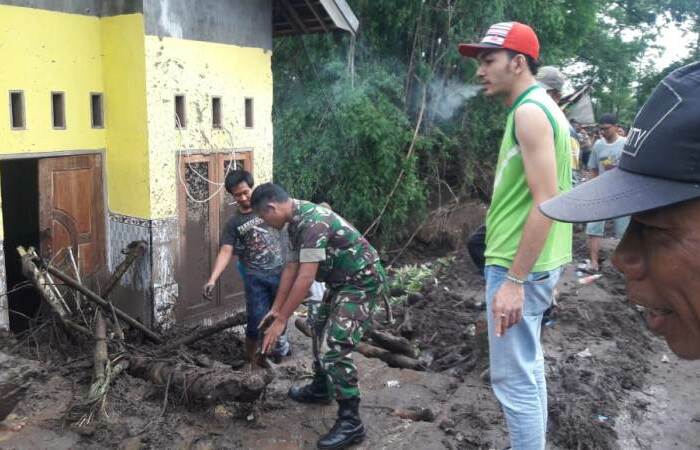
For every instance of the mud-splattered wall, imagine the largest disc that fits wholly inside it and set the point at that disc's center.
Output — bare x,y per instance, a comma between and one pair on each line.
200,70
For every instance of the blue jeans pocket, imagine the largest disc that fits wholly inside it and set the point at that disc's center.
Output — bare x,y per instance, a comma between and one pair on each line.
539,291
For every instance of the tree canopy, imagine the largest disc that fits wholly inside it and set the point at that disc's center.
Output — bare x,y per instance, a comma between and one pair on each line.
385,124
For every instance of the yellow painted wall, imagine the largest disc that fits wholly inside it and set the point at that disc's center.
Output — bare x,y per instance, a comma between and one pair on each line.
126,118
45,51
199,70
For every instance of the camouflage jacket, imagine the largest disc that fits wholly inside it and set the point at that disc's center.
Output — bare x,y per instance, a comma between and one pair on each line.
317,234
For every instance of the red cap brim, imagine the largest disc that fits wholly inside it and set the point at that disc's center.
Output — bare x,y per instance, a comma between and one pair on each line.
473,50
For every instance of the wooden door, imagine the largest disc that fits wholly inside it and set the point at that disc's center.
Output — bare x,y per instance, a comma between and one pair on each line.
71,210
204,206
231,290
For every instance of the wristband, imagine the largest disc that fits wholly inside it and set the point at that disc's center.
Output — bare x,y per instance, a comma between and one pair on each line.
514,279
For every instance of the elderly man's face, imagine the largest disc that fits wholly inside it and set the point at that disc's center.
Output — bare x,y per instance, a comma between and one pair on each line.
660,257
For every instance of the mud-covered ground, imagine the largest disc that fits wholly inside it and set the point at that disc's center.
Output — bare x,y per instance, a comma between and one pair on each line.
611,385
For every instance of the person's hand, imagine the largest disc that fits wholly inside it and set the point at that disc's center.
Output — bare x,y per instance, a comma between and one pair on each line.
268,319
272,333
208,290
507,306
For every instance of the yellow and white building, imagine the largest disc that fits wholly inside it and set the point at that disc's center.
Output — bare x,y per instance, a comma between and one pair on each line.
122,118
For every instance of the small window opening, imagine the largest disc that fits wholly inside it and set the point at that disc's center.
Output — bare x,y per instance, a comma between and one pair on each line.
97,111
58,110
216,112
17,110
249,113
180,112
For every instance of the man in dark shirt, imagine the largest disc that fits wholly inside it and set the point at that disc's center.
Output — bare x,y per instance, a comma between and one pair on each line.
259,249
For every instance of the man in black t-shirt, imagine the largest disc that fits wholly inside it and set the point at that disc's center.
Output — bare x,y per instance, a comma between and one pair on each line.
259,248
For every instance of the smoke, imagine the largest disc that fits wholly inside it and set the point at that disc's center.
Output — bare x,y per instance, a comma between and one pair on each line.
447,96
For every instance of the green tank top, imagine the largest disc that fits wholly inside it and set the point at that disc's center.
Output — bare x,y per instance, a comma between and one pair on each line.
511,201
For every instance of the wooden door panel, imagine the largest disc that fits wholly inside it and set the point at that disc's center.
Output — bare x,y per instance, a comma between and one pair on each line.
231,289
71,214
200,225
196,256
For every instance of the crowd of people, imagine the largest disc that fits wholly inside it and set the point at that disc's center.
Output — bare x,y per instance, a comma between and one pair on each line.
647,182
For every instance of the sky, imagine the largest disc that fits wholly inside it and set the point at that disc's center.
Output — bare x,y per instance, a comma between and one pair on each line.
673,40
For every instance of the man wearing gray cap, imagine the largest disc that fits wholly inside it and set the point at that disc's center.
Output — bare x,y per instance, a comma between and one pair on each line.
552,81
657,181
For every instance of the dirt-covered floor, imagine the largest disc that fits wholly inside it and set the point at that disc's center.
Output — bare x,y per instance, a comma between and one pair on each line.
611,385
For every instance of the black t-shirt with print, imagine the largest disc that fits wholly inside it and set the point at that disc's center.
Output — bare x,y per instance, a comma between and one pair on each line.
259,246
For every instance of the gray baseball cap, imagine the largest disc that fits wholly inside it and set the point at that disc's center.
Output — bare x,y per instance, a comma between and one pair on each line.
549,77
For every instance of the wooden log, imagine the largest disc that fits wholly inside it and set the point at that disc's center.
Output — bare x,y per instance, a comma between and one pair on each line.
393,343
392,359
238,318
100,356
202,385
90,295
406,328
370,351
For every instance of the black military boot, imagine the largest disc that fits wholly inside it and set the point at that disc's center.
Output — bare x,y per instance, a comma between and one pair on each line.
314,392
348,428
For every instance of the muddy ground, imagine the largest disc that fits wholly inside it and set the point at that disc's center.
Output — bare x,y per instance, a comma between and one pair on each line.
611,385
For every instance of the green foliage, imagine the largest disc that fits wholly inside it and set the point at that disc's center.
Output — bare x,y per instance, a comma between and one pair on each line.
346,145
343,138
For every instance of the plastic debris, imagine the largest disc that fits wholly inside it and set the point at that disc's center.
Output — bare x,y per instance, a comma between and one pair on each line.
393,383
471,329
585,354
602,419
664,358
590,279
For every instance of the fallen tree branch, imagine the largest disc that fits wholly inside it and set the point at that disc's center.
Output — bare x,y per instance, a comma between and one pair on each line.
238,318
133,251
370,351
93,297
393,343
205,385
33,274
392,359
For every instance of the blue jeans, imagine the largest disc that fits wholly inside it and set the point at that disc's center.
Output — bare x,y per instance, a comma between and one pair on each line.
517,360
260,291
598,228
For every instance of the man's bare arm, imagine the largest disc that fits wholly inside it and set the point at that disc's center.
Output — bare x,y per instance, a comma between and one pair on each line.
289,274
536,139
222,260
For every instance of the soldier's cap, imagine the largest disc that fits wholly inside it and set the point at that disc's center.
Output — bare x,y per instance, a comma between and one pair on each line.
550,78
514,36
660,163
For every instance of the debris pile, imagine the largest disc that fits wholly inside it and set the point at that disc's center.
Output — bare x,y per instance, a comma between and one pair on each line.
79,321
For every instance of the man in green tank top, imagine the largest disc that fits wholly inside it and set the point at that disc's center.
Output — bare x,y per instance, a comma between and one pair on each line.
524,249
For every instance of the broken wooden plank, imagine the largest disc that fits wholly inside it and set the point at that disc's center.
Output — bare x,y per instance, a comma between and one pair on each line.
204,385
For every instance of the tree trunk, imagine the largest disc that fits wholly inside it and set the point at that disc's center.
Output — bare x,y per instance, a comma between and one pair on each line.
203,385
396,344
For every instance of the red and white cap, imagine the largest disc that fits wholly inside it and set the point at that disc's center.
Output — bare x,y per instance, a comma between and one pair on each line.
506,35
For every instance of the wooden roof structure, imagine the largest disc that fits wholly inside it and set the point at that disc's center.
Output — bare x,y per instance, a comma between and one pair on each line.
296,17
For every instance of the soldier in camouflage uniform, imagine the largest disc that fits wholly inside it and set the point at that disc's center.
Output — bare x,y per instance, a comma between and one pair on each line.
326,247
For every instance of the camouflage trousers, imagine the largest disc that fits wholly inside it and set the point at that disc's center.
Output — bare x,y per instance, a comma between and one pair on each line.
345,315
